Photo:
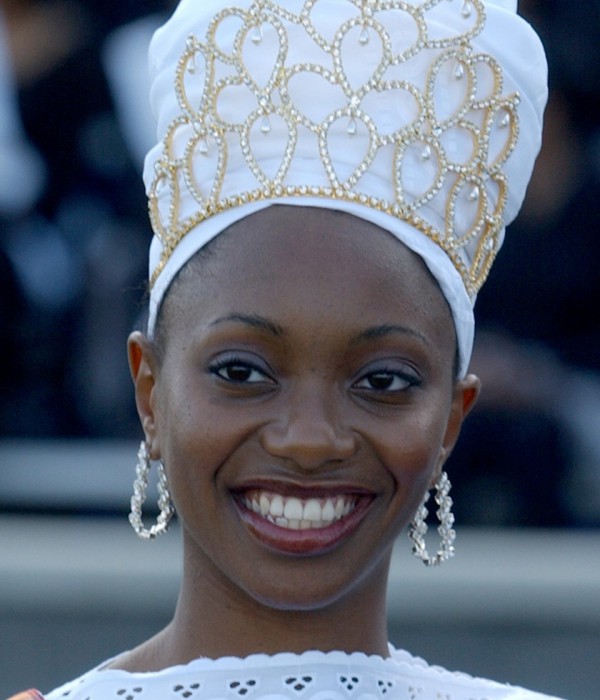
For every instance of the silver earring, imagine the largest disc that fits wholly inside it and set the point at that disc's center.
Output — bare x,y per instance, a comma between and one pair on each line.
139,496
445,529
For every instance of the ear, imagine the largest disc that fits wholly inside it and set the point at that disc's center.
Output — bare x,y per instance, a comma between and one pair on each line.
464,397
144,372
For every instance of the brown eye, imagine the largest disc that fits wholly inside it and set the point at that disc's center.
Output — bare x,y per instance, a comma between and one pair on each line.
239,372
386,381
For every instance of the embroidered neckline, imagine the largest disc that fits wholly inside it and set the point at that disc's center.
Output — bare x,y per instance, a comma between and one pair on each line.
277,660
398,661
290,676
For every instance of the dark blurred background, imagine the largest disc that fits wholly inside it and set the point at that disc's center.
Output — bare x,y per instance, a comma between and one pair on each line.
74,237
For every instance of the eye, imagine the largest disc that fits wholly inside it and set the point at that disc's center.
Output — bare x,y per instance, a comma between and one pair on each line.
237,371
386,380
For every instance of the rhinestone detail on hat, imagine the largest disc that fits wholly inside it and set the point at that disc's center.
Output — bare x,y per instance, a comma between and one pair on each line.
469,191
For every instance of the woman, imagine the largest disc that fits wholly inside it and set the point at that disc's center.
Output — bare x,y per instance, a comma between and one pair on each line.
330,189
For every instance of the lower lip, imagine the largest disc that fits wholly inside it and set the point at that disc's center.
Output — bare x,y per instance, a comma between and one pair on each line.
303,542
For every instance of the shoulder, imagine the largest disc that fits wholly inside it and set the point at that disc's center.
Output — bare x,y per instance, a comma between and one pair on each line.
85,686
437,682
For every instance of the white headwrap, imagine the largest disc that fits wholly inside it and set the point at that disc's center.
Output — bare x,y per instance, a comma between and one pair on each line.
423,117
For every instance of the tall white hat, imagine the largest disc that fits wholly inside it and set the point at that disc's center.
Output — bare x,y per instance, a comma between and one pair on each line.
421,116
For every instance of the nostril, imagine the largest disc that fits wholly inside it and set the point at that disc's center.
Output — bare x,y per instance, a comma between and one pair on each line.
308,444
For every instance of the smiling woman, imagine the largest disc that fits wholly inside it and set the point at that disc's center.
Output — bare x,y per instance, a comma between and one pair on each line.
329,192
302,409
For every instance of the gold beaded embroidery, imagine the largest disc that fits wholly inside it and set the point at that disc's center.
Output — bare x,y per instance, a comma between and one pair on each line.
476,185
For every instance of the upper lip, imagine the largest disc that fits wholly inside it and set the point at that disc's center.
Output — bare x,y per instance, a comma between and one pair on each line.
303,490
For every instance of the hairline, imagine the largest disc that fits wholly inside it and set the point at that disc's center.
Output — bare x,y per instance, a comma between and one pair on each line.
159,337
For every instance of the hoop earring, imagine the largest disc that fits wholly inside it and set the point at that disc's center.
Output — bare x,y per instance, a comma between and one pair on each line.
139,496
419,527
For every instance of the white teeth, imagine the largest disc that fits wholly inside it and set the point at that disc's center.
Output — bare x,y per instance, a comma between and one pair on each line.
265,505
293,509
294,513
276,508
312,510
328,510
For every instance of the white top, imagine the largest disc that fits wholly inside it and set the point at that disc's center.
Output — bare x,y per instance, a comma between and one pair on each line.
312,675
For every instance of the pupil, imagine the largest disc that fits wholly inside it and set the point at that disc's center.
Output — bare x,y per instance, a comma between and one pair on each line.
381,380
238,373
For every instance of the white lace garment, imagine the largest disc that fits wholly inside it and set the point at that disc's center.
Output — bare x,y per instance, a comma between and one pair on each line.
310,676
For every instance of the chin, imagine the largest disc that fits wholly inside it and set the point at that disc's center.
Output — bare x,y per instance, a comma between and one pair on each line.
318,588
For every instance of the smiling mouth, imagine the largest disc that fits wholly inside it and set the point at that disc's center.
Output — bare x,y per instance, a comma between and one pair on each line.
293,513
302,523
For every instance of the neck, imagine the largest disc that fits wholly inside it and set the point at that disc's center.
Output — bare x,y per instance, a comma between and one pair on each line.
213,619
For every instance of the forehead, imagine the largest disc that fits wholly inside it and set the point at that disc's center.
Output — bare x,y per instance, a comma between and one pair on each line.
311,266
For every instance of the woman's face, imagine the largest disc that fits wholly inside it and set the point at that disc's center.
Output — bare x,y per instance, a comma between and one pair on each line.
303,403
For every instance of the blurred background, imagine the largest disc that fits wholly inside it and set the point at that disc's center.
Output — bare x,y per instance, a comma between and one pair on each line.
73,248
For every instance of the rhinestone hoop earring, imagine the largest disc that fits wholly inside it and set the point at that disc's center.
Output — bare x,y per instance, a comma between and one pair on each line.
139,496
419,527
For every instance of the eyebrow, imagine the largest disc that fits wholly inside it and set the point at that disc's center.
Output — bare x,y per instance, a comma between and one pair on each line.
387,329
253,320
264,324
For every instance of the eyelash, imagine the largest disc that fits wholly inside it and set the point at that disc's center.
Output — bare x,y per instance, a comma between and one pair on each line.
230,363
408,380
235,362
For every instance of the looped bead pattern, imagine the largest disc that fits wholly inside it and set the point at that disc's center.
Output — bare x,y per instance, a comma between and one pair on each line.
139,496
445,529
418,110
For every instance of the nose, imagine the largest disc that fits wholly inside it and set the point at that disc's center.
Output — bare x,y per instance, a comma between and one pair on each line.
309,431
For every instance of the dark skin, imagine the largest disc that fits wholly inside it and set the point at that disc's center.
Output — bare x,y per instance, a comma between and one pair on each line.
322,367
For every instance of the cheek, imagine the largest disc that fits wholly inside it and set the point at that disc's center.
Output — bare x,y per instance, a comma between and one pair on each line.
410,449
196,450
198,436
187,440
